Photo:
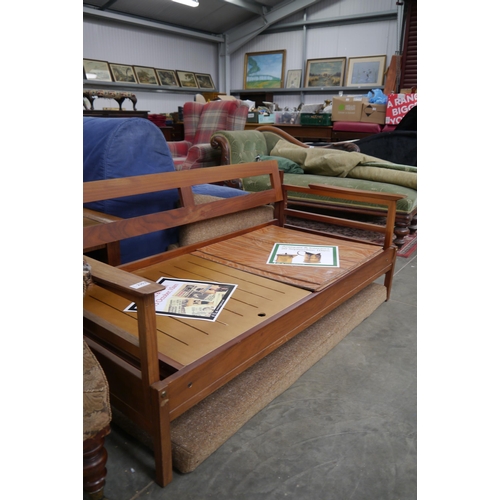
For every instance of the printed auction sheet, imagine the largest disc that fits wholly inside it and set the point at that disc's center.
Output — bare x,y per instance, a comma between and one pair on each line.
304,255
190,299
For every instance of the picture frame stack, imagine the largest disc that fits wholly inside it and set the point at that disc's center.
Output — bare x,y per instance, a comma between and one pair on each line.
103,71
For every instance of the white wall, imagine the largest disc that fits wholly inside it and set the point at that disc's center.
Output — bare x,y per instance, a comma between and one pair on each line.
114,42
127,44
353,40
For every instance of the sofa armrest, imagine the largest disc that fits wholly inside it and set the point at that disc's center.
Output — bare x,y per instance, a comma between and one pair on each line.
240,146
141,291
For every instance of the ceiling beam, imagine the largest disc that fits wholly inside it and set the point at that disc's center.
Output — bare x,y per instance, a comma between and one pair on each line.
90,12
249,5
336,21
242,34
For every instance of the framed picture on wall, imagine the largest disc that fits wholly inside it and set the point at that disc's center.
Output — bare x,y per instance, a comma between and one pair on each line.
145,76
204,81
366,71
264,70
96,70
122,73
325,72
293,79
187,79
167,77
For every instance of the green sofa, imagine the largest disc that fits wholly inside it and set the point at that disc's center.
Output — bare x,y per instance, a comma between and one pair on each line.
245,146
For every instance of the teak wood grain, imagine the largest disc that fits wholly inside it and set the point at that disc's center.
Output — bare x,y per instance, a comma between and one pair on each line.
250,253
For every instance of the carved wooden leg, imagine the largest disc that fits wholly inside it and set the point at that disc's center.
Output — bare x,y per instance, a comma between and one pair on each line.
413,225
120,100
401,231
134,102
94,464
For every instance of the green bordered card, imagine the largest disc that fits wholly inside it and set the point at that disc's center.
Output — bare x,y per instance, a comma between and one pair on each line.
304,255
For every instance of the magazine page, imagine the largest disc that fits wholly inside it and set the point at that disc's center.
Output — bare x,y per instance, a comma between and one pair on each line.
304,255
190,299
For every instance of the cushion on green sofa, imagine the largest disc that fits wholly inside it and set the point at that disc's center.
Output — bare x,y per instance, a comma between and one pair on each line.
284,164
405,205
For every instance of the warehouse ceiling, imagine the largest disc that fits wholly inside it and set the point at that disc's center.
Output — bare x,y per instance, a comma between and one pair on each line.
210,16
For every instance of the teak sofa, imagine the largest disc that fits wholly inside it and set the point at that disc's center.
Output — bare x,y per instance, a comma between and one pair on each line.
245,146
157,366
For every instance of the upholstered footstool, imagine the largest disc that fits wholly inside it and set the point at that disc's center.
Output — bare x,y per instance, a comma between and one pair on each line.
119,97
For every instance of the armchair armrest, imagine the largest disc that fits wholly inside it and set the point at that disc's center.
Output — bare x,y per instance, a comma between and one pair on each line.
201,155
178,148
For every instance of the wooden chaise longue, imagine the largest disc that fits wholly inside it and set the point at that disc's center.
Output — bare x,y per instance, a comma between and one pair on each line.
160,366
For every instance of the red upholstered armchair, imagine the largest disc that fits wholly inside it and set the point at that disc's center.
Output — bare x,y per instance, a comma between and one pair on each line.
201,121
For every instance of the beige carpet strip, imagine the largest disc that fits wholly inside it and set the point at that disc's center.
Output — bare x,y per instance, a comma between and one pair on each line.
204,428
200,431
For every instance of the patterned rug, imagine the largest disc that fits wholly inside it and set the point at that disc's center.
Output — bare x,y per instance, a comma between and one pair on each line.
409,247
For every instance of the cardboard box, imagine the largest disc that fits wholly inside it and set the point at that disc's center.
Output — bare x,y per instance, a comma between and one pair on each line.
397,106
373,113
259,118
347,108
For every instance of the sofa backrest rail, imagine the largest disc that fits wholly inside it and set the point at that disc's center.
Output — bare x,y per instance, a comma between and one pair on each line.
189,212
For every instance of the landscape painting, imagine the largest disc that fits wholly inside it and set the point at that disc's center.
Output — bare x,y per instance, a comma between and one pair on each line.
264,70
325,72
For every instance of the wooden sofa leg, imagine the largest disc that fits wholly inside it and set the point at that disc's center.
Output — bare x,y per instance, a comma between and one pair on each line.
401,231
160,420
413,225
94,464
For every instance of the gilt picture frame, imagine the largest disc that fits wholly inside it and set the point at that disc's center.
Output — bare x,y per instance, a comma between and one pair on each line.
167,77
187,79
97,71
122,73
327,72
204,81
264,70
145,75
366,71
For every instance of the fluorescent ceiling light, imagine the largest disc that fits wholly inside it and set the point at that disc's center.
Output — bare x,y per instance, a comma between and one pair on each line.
191,3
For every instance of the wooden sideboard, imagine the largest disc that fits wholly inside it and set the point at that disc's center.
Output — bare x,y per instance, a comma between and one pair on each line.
108,113
313,133
300,132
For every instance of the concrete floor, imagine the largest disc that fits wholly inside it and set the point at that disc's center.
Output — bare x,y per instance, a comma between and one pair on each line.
347,429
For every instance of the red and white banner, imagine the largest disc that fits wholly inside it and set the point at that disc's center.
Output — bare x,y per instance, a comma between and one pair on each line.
397,106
